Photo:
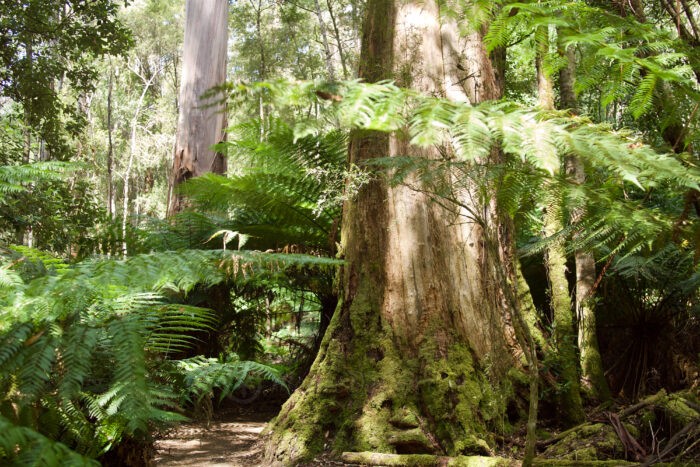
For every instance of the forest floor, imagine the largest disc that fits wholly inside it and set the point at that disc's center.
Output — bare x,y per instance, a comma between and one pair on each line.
233,436
230,439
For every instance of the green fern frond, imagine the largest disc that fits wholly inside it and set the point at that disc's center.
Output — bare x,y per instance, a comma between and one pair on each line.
285,194
21,445
204,375
16,178
642,100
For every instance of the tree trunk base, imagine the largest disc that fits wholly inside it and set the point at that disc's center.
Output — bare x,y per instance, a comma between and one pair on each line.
364,394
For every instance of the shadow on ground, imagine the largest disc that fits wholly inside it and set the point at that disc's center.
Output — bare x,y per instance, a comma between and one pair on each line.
230,440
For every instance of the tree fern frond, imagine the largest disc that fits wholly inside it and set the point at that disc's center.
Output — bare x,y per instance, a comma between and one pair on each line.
24,446
203,375
16,178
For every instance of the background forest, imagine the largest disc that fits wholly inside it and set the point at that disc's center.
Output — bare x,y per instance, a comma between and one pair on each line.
121,316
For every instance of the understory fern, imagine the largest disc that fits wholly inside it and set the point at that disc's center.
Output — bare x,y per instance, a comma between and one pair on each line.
534,142
82,349
203,376
289,191
16,178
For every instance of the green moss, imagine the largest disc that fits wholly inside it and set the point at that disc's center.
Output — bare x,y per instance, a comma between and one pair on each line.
679,410
480,461
458,402
581,463
416,460
588,442
365,394
404,418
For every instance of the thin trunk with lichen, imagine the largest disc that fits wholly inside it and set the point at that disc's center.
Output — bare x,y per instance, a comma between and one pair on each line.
593,381
555,263
419,355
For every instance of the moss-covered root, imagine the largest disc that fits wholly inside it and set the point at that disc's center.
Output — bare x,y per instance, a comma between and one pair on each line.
586,443
411,460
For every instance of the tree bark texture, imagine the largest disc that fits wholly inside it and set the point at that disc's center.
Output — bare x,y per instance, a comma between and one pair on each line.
201,122
418,355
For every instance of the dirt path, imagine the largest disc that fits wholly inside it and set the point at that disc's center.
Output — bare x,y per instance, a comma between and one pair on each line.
230,440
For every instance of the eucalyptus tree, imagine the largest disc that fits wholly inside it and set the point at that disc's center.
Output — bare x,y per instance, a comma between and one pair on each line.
417,356
131,122
201,123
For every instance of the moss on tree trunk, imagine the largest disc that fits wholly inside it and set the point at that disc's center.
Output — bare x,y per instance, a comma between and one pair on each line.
419,355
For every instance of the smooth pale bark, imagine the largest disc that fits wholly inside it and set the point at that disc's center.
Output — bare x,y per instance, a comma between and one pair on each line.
555,262
593,380
418,355
110,146
324,41
201,122
132,153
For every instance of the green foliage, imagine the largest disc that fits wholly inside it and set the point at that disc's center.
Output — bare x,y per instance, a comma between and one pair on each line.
45,42
16,179
38,449
203,376
536,137
287,192
84,369
51,200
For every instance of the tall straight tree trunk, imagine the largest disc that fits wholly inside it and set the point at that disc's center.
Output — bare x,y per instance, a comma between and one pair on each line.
560,300
324,40
417,355
110,146
201,122
338,39
593,380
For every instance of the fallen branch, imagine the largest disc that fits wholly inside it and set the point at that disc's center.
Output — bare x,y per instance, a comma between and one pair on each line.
558,437
630,444
651,400
687,433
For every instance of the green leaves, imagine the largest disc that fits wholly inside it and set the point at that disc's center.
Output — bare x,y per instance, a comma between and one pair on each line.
81,351
16,178
45,42
288,192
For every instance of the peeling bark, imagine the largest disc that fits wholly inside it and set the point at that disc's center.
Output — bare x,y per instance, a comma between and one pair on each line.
201,122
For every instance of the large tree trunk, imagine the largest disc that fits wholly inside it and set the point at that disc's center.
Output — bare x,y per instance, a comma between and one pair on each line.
201,123
417,356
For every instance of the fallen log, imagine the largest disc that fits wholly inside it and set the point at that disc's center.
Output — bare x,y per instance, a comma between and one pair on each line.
420,460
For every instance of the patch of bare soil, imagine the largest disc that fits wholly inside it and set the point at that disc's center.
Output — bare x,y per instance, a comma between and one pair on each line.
229,440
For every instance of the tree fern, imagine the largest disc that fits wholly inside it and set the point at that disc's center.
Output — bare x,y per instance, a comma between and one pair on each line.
85,368
202,376
38,450
287,192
